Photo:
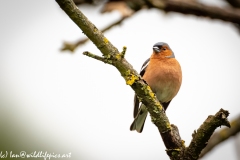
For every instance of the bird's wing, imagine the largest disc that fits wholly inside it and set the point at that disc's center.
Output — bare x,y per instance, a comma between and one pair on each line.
136,101
144,67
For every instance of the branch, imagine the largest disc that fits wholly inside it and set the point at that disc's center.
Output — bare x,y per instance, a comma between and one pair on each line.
72,46
93,2
222,135
170,134
192,7
203,134
95,57
234,3
197,9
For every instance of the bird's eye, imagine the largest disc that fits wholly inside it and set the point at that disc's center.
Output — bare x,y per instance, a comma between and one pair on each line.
164,49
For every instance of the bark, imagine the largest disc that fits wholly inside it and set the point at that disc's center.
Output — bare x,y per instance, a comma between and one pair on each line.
222,135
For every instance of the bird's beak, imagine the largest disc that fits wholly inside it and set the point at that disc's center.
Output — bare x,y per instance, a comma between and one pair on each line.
156,49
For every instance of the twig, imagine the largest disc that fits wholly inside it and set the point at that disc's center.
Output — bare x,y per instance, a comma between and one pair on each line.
95,56
67,46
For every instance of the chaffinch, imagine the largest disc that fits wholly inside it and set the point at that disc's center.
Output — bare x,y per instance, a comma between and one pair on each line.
163,74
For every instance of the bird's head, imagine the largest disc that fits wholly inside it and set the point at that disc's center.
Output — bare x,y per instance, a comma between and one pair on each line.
162,50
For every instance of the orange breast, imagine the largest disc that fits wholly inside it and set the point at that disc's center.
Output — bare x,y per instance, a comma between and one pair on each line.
164,76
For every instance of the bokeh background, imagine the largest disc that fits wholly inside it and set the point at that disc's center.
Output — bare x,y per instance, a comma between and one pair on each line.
64,103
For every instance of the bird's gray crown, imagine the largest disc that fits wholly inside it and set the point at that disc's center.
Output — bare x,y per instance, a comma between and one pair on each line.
158,46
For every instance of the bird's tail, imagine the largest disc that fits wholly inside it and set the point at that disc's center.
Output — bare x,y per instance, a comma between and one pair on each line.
139,120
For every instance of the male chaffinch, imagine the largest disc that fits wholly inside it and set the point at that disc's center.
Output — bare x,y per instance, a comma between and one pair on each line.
163,74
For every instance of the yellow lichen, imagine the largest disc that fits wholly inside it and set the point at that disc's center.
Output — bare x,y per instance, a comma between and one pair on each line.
131,79
127,72
105,40
168,125
150,91
118,57
183,143
159,106
175,151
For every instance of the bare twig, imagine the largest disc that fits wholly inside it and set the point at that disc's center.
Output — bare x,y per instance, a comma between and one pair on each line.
72,46
95,56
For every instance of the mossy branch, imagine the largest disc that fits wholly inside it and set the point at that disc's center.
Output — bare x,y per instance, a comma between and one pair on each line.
170,135
222,135
203,134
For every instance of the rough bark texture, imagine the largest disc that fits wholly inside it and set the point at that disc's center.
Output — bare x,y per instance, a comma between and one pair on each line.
222,135
203,134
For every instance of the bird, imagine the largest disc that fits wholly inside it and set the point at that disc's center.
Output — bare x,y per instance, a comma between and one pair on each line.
162,72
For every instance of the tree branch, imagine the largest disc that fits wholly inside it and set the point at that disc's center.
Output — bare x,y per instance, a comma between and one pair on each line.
222,135
94,2
234,3
203,134
72,46
193,7
170,135
197,9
